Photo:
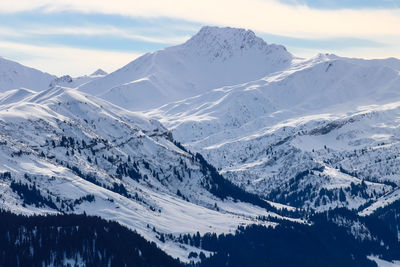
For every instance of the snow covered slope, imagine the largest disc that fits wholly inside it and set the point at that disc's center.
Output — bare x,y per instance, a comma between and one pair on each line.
322,133
212,58
14,76
65,151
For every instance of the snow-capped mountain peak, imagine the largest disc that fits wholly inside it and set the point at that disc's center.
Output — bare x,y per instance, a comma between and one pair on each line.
213,58
226,42
99,72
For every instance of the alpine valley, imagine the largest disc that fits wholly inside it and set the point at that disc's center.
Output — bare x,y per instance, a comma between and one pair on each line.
221,151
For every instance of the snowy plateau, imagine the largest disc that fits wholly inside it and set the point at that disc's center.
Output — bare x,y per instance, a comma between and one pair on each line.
220,132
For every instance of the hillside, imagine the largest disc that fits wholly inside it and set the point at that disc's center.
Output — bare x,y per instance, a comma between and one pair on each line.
321,134
14,76
64,151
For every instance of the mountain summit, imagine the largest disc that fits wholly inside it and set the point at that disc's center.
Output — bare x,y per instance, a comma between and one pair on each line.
99,72
225,42
212,58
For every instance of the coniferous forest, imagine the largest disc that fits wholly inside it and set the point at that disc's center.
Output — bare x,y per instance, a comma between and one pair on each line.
76,240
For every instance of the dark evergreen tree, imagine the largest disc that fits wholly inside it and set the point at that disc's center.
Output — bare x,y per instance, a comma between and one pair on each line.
49,240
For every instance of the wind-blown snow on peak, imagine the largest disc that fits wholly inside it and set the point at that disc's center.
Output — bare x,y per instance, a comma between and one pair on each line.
214,57
225,42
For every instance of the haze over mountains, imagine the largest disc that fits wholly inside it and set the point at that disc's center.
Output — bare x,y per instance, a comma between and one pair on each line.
285,137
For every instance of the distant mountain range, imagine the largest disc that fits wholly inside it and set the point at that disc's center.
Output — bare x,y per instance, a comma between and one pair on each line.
195,140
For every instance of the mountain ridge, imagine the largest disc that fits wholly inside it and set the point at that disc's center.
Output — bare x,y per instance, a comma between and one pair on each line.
276,135
14,75
212,58
80,154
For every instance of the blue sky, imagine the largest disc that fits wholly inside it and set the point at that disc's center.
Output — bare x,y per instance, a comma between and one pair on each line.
76,37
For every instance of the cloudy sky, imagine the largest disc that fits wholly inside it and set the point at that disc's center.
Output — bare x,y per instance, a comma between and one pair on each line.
78,36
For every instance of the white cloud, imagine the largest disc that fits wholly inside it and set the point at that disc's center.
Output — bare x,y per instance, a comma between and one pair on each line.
65,60
262,15
105,30
11,32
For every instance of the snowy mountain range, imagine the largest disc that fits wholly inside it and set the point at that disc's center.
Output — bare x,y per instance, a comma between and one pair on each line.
212,58
77,153
332,117
285,136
